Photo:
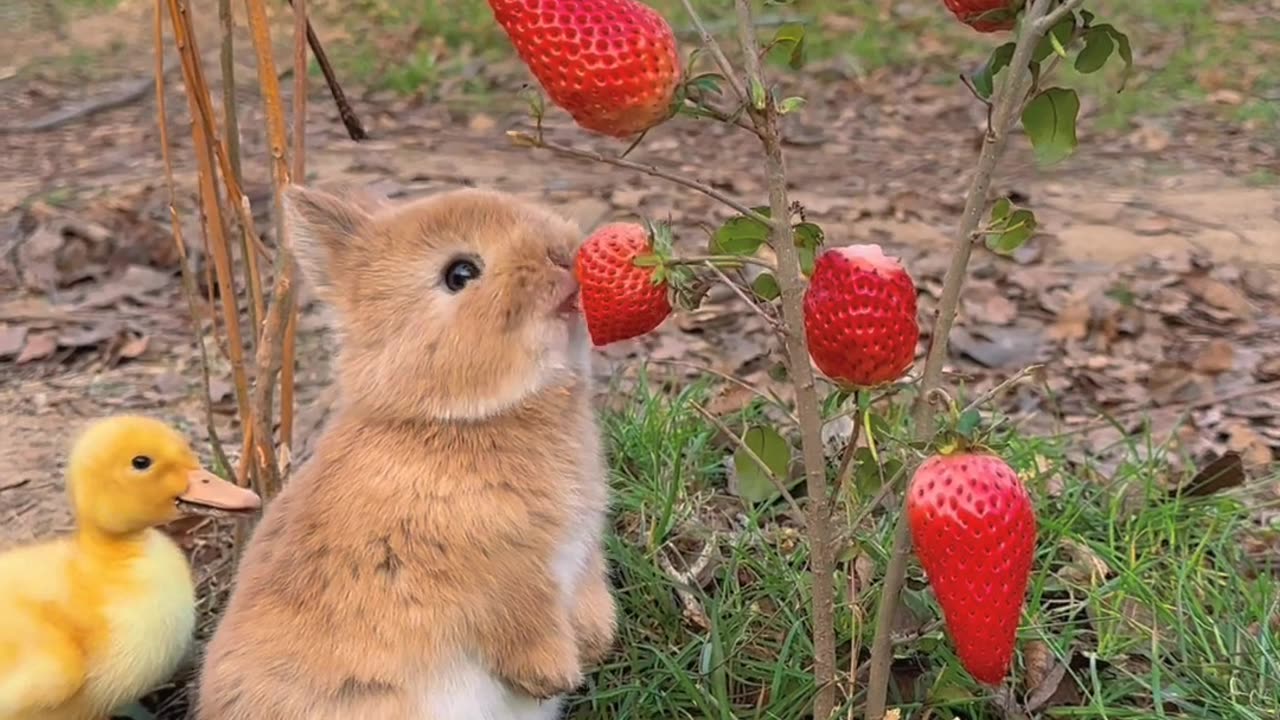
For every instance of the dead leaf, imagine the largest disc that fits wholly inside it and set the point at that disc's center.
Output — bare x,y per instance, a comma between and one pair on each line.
1222,296
37,259
1266,371
1073,321
39,346
1254,450
219,389
12,339
134,282
91,335
1155,225
1217,356
1226,96
134,347
1048,688
997,347
1223,473
1085,568
1039,662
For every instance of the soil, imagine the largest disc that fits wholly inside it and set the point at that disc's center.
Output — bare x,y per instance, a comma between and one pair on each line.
1150,290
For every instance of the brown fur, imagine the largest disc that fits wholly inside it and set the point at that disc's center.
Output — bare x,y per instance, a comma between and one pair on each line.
464,450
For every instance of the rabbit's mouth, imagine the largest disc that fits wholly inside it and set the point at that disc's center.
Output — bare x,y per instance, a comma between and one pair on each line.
569,304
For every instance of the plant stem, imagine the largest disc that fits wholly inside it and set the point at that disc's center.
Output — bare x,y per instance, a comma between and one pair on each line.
713,47
791,283
299,171
274,331
231,123
205,143
533,141
1007,101
188,278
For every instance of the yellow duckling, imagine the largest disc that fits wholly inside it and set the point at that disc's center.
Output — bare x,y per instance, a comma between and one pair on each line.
95,620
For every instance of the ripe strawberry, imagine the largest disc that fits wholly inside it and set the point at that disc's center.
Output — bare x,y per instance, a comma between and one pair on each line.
974,532
985,15
612,64
621,299
860,316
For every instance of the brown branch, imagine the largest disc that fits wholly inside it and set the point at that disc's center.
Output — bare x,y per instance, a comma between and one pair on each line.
184,264
231,123
1005,104
300,25
523,138
204,140
713,47
755,307
355,129
271,348
791,283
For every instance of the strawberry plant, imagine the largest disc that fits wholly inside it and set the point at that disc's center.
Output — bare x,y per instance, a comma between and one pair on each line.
848,312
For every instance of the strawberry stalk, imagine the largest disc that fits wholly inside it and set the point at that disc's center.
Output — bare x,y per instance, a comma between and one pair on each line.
764,116
1039,18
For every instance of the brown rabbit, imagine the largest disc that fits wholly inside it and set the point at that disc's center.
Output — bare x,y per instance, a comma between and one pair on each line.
439,557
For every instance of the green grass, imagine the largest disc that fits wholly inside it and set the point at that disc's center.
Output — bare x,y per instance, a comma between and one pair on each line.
1174,623
1183,53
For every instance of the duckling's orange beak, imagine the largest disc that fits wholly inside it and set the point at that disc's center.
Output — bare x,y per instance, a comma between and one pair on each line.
205,488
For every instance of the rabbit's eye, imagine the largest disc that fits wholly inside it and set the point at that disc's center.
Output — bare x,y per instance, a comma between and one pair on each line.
458,273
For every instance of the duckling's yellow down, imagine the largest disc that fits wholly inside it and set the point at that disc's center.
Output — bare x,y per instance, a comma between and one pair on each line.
95,620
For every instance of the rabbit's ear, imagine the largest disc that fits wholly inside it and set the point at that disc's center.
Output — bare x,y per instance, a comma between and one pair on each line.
323,230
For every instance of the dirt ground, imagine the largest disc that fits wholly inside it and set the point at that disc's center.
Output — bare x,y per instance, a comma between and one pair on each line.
1149,292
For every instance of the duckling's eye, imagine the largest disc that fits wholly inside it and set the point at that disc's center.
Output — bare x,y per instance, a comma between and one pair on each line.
141,462
460,272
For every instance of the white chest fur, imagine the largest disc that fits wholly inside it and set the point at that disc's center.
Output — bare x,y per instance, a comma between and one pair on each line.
569,561
149,627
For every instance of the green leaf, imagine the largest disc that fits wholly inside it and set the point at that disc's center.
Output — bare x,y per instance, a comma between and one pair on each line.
832,403
766,287
1050,122
739,236
708,83
869,475
790,37
808,237
807,234
1098,47
1123,49
757,94
969,420
1086,18
808,256
1021,225
791,104
984,78
754,484
1000,211
1057,37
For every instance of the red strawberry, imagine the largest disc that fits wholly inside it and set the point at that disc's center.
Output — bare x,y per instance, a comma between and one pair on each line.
622,299
975,533
860,316
985,15
612,64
